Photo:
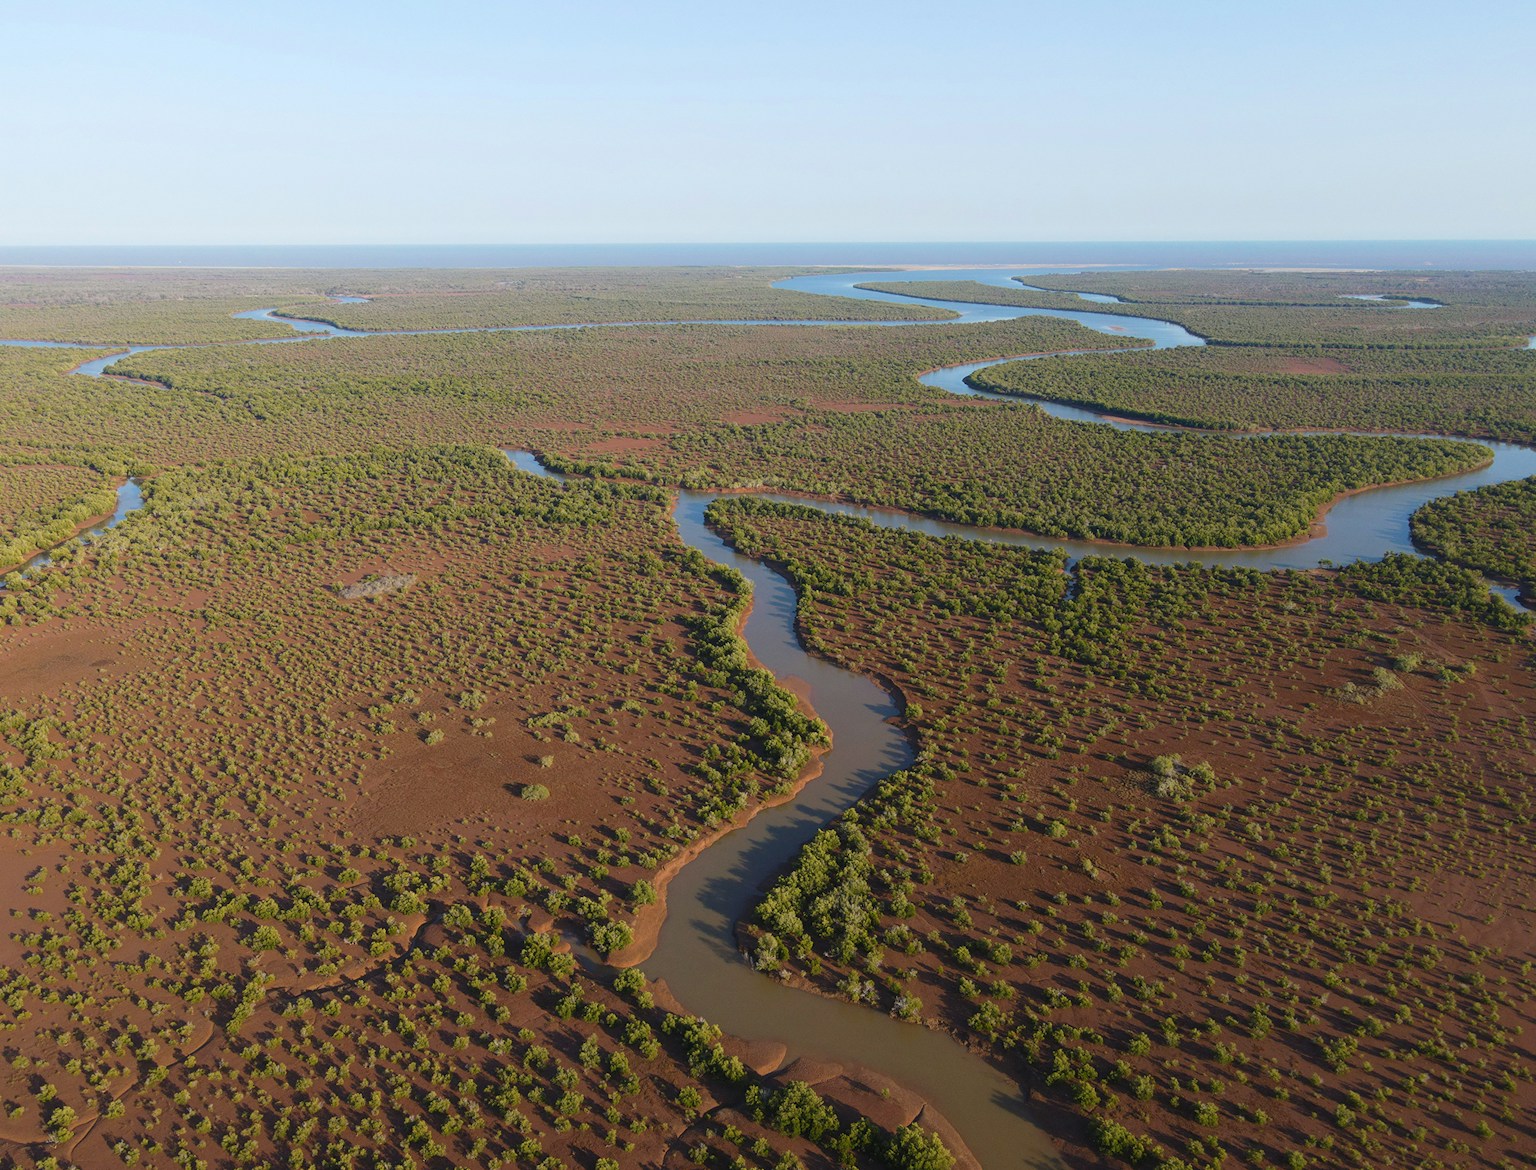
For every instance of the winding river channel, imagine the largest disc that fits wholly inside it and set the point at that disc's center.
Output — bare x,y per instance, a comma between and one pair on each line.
696,952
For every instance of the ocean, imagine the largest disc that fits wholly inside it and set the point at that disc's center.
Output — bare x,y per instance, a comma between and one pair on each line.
1400,254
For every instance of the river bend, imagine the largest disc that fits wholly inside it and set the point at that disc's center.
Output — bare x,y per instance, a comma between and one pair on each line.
696,952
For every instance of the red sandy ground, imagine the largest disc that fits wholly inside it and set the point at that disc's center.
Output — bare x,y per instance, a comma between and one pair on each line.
225,700
1363,865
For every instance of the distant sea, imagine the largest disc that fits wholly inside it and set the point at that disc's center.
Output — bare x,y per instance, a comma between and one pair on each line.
1420,254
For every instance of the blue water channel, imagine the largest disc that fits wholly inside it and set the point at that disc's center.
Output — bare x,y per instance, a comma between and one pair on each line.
696,950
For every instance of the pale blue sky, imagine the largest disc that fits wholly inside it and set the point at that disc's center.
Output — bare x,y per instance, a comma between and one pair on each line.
460,122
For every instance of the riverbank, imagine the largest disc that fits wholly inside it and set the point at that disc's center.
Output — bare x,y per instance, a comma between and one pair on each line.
694,947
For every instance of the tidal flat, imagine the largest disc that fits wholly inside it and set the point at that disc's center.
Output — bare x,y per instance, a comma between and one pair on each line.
344,775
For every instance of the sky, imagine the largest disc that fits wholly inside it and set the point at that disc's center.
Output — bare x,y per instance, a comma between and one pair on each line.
596,122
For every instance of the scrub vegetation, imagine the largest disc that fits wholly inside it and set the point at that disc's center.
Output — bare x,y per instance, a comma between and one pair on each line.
317,771
270,884
1482,309
834,412
1492,530
567,296
175,307
1229,865
1489,291
608,382
1479,392
43,504
1015,467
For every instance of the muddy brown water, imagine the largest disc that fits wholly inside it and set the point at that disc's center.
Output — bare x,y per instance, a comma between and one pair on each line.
696,951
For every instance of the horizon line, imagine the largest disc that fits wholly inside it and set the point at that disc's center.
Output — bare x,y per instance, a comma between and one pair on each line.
787,242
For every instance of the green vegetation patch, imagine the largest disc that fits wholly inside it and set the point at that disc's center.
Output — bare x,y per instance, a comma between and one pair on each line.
1504,320
292,833
576,296
1481,392
42,505
1492,530
1237,864
197,306
1015,467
